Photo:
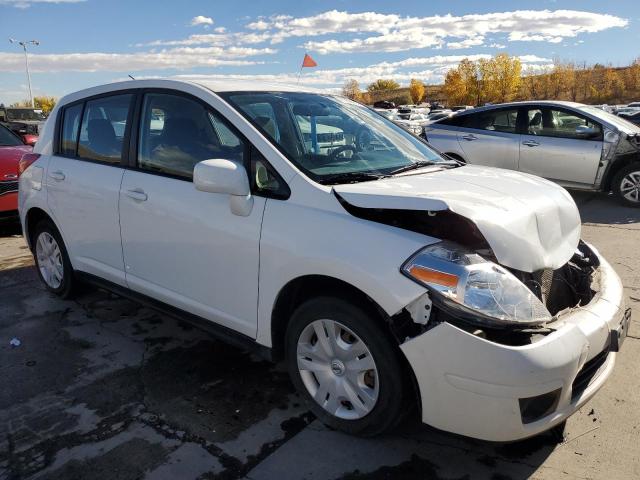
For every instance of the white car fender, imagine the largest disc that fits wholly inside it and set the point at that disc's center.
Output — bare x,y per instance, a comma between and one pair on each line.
331,242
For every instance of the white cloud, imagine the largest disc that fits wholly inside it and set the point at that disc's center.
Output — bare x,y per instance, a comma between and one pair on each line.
180,58
220,38
201,20
468,43
395,33
28,3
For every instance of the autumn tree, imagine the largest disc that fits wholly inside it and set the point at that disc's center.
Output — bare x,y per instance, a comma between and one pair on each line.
500,77
462,84
455,89
351,89
471,79
383,84
43,103
416,90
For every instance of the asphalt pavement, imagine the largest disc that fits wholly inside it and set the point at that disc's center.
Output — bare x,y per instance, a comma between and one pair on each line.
102,388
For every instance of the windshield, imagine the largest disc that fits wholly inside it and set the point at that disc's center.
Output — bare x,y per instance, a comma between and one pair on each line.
330,137
24,114
619,122
8,138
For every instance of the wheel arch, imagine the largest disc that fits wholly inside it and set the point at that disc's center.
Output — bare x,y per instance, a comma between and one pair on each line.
614,168
300,289
34,216
303,288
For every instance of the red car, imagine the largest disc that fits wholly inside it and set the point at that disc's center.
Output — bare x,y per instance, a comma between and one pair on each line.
11,151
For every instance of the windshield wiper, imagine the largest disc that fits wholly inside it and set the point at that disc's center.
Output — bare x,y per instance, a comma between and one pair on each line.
412,166
350,177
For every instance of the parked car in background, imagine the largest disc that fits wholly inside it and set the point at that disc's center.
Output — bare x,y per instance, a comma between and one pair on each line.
632,117
411,122
384,104
459,108
578,146
25,122
626,110
389,278
634,105
11,151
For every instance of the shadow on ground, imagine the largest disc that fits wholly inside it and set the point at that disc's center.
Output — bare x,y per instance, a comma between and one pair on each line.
10,230
603,208
103,388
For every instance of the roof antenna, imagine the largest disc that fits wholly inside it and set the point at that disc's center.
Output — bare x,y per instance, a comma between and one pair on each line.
131,77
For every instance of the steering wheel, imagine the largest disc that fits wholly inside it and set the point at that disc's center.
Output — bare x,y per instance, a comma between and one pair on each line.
334,153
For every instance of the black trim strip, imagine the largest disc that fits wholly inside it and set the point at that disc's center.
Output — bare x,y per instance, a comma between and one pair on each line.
221,332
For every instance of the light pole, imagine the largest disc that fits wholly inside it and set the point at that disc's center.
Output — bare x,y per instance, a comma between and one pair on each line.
26,62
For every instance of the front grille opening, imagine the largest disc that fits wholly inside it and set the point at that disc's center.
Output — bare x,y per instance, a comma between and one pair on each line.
572,285
587,373
535,408
8,187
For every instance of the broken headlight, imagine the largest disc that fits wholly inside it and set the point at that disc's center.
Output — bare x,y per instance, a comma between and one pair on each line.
486,293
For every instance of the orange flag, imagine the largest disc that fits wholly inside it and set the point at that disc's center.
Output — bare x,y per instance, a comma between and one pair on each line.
308,61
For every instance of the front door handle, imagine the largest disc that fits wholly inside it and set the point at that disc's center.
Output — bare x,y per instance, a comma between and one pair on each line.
137,194
530,143
469,138
57,175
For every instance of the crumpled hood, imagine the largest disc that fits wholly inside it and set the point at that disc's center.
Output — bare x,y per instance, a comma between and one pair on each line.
530,223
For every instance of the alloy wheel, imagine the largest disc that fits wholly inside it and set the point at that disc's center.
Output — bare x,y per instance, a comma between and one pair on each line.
630,186
50,261
337,369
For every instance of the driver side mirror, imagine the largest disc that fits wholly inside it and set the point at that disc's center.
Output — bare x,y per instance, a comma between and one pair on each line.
584,131
227,177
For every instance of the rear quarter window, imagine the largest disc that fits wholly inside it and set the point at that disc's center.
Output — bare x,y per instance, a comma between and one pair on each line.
69,130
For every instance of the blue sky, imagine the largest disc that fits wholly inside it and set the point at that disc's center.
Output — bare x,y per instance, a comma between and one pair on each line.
89,42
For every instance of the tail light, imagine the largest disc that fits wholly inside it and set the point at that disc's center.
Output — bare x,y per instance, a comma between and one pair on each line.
26,161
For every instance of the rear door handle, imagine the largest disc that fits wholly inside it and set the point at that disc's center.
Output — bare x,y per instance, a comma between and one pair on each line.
137,194
471,137
530,143
57,175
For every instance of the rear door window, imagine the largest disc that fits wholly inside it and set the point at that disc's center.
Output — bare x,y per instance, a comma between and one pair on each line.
503,120
104,124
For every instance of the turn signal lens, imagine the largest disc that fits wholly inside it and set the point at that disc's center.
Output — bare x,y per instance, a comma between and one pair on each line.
26,161
427,275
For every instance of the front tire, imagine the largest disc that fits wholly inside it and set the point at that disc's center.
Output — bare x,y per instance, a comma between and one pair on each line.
626,185
346,367
52,261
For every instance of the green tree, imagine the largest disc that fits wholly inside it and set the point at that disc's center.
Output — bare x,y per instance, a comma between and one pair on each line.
382,84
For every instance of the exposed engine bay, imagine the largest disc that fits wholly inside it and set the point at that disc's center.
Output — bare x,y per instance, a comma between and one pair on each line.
573,285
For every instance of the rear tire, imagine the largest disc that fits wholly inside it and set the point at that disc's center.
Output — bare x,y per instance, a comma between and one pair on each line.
349,396
52,261
626,185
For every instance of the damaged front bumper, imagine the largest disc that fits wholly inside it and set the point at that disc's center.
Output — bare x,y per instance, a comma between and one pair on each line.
482,389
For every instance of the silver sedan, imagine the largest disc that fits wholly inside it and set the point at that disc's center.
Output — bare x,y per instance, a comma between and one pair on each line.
575,145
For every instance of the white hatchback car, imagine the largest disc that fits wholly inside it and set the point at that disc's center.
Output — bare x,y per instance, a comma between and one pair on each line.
385,275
